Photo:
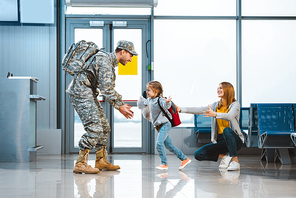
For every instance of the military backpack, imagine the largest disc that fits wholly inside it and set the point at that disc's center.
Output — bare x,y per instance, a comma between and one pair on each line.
77,54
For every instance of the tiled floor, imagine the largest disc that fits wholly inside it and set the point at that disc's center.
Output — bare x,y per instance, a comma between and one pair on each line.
51,176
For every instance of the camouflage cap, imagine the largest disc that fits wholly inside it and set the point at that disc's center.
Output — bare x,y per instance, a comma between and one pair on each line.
128,46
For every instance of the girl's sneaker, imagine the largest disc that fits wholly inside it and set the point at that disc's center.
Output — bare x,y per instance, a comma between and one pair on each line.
184,163
162,167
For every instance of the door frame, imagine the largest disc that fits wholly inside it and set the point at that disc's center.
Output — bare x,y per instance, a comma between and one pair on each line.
84,22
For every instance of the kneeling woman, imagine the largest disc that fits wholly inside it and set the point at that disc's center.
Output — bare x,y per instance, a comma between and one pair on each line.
226,135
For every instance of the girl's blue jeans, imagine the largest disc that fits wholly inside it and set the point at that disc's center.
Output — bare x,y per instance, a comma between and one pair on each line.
164,141
229,141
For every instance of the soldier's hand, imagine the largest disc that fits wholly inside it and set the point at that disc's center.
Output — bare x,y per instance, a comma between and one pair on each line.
126,111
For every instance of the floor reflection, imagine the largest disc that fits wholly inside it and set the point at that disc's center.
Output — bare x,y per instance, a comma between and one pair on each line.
162,191
93,185
52,176
229,176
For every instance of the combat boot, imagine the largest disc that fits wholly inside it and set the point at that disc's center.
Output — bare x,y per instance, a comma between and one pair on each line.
102,163
81,165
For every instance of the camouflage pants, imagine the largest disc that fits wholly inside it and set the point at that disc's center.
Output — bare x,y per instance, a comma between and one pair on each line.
94,121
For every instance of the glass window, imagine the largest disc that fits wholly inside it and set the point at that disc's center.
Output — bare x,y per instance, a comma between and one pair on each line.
192,58
78,129
87,34
196,8
268,7
128,132
268,61
130,86
108,10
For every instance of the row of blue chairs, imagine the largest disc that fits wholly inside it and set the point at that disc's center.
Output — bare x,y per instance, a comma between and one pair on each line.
268,126
202,125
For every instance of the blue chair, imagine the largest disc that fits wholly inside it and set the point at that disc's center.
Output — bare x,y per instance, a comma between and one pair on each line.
293,135
275,125
252,140
202,125
293,138
244,120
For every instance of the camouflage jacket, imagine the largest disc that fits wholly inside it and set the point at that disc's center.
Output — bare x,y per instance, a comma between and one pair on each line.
99,73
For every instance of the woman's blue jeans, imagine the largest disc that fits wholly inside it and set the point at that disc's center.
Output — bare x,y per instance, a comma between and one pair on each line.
164,141
229,141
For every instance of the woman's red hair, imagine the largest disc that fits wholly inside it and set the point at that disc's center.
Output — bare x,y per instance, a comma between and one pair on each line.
228,97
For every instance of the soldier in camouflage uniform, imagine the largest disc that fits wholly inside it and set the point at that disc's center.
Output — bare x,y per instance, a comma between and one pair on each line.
83,92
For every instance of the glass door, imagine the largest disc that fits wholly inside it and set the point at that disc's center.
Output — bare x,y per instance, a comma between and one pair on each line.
127,136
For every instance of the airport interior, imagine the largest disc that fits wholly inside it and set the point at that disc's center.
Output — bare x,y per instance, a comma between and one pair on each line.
191,47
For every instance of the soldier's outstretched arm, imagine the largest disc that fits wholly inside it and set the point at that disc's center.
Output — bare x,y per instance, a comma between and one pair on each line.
126,111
